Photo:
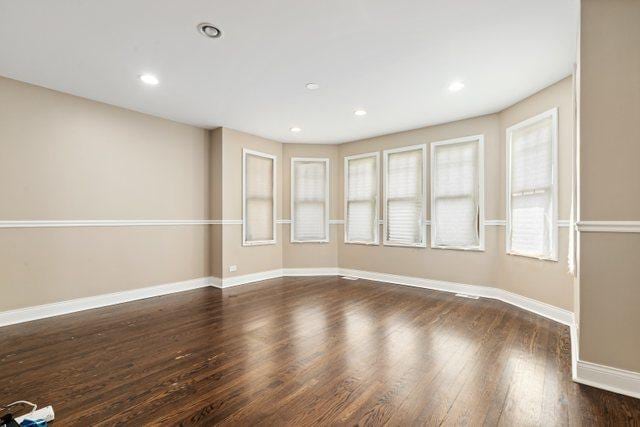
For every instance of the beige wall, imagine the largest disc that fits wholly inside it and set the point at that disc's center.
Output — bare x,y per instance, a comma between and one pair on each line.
64,157
609,270
308,255
248,259
68,158
166,170
46,265
546,281
437,264
215,202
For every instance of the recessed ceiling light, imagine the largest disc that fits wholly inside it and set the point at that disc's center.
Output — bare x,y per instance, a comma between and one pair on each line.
209,30
312,86
149,79
360,113
295,129
456,86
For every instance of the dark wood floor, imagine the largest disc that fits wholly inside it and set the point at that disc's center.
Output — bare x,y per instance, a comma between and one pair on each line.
304,351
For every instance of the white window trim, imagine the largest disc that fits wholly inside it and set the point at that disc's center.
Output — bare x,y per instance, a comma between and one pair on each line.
246,151
326,197
423,223
376,241
480,139
553,113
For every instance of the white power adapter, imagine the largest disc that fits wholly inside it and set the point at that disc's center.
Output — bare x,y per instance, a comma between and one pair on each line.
45,414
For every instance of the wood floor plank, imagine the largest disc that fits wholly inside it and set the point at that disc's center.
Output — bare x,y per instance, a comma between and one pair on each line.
304,351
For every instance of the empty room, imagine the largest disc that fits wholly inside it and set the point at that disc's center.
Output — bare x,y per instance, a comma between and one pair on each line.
336,212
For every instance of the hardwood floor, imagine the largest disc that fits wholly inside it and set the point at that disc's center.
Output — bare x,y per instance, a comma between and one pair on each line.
303,351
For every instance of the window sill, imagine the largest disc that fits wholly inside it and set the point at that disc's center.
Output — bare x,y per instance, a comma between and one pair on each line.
459,248
259,243
362,243
551,259
405,245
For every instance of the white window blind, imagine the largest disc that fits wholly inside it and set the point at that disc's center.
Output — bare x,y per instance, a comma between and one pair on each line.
361,198
310,200
404,193
457,193
258,225
532,187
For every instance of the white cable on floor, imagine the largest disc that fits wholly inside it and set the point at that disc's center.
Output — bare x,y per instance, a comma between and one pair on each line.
33,405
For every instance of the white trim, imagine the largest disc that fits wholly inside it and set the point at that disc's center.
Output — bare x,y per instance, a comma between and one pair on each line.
327,187
331,221
481,221
385,180
250,278
592,374
319,271
345,173
80,304
64,307
553,113
546,310
103,223
608,378
246,151
274,274
551,312
608,226
626,226
228,222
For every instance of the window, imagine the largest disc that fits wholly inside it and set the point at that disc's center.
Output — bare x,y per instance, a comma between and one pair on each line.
361,189
258,198
404,196
309,200
457,193
532,182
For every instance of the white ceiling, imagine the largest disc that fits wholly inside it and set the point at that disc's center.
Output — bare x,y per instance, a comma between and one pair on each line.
393,58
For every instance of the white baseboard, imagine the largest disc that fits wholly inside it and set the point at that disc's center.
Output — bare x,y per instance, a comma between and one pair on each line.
604,377
321,271
273,274
250,278
27,314
608,378
554,313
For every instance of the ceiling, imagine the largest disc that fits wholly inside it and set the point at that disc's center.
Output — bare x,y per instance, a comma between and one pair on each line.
393,58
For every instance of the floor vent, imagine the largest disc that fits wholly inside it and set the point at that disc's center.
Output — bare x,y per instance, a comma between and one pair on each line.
467,296
349,278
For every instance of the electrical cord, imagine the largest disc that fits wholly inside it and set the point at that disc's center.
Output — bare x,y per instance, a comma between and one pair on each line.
17,402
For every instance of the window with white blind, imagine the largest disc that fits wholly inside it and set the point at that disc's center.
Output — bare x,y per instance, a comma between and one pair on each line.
361,190
405,196
457,193
258,198
532,182
309,200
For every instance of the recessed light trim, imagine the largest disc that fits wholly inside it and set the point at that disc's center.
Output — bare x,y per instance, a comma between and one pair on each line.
295,129
360,113
149,79
209,30
456,86
312,86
